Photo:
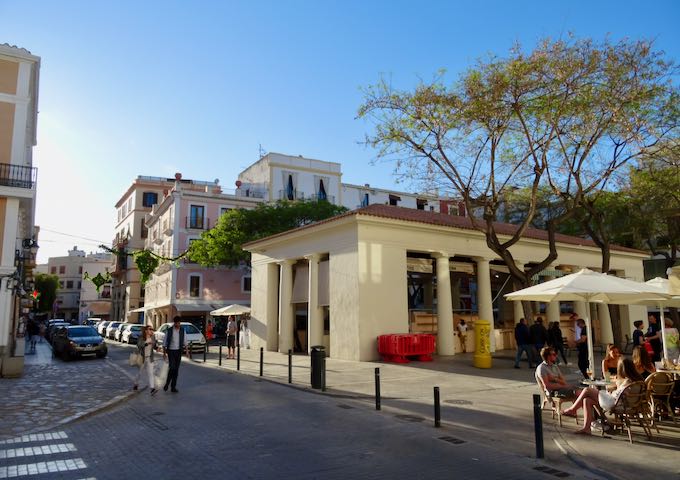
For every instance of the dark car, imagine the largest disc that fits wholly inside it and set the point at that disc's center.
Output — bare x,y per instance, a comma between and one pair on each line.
53,327
78,341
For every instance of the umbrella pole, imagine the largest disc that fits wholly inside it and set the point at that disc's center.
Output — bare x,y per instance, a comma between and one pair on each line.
589,333
663,333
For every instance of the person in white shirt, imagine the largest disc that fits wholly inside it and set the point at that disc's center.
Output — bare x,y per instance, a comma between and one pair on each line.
173,346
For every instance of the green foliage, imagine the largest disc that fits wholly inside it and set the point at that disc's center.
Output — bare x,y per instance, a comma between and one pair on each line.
222,244
98,280
146,262
47,286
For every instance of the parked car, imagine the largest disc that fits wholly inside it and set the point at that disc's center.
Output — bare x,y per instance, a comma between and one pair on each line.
101,327
118,333
131,333
53,327
110,329
93,322
78,341
191,334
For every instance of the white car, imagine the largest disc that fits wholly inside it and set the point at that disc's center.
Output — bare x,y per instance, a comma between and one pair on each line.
110,329
101,327
131,333
191,335
118,332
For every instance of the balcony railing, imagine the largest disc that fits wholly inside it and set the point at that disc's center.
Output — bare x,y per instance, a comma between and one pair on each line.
197,223
294,195
322,198
17,175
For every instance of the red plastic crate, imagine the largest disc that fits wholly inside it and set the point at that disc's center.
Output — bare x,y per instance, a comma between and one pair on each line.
398,347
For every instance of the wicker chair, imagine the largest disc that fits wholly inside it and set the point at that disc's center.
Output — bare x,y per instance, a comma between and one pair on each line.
555,402
659,390
632,405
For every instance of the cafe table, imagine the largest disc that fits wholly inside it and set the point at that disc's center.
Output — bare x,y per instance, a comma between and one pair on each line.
599,384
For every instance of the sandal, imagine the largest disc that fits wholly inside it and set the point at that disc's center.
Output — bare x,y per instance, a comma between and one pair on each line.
568,414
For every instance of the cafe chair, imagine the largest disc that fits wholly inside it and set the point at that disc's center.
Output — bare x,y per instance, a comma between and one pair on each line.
632,406
554,402
659,390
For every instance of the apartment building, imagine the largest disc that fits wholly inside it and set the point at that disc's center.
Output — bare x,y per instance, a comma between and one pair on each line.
95,302
69,269
19,78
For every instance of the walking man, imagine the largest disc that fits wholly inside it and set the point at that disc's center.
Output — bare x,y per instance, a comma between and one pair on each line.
231,338
172,351
538,336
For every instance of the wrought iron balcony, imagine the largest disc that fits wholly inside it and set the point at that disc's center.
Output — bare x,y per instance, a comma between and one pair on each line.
17,175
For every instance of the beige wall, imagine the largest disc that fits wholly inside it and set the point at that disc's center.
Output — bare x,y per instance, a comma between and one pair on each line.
6,131
9,74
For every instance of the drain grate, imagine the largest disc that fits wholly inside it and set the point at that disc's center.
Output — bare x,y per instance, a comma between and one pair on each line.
552,471
410,418
458,402
454,440
346,407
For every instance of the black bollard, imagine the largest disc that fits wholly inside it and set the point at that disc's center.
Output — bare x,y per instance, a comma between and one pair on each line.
261,359
290,366
220,361
377,388
238,358
437,409
538,426
191,351
205,352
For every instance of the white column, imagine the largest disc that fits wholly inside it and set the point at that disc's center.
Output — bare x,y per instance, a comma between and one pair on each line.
484,300
581,310
286,312
444,306
271,334
517,309
314,313
605,324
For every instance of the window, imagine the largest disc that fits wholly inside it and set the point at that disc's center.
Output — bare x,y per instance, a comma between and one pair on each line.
290,190
80,284
61,284
149,199
420,203
80,270
196,216
394,199
194,285
106,291
69,284
246,284
62,269
322,191
224,210
53,270
365,201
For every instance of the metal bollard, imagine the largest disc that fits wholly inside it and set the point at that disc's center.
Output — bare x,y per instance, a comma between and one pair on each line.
220,360
377,388
290,366
261,359
191,351
238,356
437,409
538,426
205,352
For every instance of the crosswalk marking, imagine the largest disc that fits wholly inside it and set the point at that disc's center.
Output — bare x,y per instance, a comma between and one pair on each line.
35,437
38,468
39,450
15,471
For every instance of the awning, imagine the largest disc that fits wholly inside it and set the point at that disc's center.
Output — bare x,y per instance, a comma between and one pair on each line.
324,297
301,284
139,310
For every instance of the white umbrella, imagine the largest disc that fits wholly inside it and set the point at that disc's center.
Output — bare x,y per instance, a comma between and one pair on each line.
589,286
234,309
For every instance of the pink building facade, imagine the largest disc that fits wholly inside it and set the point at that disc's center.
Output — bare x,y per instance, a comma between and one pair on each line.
184,288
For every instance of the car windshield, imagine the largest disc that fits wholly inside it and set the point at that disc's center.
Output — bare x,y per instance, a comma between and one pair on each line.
82,332
190,329
114,324
135,328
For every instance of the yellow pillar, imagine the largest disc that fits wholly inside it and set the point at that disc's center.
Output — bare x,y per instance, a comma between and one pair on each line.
484,300
482,356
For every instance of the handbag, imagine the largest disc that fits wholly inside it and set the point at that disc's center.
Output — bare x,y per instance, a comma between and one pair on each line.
135,360
161,373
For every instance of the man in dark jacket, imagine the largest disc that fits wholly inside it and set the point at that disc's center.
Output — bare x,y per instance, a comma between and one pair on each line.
172,350
523,343
538,336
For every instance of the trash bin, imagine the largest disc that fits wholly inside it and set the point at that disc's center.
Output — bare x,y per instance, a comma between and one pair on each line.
318,369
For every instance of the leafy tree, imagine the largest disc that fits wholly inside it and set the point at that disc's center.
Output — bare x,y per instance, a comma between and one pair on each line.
222,244
560,121
47,286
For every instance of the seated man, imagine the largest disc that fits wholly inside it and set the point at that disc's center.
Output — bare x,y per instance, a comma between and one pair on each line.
550,376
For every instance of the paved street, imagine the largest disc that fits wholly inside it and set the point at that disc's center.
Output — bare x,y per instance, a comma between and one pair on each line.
225,424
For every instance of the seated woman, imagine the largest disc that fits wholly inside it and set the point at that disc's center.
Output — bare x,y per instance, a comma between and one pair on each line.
590,398
611,360
642,361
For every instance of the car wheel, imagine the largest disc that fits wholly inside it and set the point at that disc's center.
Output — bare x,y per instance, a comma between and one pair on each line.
101,355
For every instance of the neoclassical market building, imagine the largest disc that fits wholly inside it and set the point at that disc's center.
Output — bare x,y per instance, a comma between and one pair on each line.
383,269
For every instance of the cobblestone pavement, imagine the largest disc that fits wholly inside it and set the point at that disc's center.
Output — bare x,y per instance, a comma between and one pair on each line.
52,391
228,426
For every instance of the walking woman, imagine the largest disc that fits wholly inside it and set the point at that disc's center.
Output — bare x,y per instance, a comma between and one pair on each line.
147,346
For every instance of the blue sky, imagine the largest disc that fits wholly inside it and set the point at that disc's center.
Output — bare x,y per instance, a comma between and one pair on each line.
153,88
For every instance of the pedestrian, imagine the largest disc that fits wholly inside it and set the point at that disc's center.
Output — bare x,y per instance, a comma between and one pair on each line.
146,344
538,335
556,340
244,335
654,336
638,333
43,329
523,343
581,343
462,334
33,331
172,350
231,338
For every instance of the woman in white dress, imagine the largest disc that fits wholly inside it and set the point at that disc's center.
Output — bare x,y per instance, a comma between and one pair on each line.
146,344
